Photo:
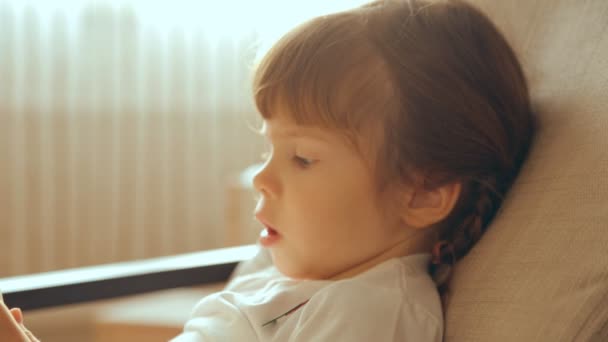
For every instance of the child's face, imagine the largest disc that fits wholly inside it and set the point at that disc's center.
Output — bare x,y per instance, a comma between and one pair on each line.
319,196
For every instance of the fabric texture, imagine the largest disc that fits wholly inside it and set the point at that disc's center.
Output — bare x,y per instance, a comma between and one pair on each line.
541,271
393,301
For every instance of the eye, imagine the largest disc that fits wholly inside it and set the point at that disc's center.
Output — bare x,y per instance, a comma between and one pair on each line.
302,162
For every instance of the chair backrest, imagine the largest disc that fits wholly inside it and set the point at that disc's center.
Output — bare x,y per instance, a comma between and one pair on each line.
541,271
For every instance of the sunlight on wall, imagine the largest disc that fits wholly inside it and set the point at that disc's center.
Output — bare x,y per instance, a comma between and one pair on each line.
231,17
125,122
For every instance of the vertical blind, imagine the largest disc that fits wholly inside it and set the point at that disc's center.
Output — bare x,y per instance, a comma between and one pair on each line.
122,123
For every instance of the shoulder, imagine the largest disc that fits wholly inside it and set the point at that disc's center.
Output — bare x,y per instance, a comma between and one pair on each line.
217,318
393,305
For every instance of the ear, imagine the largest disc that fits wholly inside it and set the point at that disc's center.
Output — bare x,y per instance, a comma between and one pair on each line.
424,207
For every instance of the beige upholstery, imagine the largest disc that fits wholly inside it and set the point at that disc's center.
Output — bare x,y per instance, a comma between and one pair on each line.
541,272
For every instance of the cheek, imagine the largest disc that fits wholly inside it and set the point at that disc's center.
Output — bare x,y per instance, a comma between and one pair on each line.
351,193
341,202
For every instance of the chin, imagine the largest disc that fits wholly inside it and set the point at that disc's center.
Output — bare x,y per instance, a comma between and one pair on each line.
288,271
293,270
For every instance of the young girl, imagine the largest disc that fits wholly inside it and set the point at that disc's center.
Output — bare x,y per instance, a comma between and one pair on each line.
396,130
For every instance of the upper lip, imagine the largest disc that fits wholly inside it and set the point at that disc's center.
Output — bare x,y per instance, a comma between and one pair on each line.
264,222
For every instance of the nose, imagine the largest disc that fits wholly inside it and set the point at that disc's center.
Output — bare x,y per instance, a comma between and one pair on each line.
266,182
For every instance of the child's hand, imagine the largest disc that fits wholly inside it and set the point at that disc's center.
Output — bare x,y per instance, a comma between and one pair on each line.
11,326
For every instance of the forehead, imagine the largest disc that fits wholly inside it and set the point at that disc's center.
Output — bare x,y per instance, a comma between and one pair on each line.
283,127
339,141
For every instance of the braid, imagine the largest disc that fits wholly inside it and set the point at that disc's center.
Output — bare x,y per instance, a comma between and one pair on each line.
456,242
470,230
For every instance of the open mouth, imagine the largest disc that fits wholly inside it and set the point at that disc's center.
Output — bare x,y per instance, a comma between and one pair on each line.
271,231
269,236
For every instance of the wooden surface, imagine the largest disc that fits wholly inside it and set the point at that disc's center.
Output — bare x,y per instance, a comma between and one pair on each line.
149,317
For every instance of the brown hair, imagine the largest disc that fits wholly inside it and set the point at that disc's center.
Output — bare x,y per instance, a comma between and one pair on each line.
436,79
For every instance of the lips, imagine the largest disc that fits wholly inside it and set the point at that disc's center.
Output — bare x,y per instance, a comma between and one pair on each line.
268,236
271,231
267,233
265,222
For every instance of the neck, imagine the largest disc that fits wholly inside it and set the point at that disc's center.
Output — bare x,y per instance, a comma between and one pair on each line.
415,243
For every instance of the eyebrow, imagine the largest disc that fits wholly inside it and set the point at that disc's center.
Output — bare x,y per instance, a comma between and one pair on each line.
298,133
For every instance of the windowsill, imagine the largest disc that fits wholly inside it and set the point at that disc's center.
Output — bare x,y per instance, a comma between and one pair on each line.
88,284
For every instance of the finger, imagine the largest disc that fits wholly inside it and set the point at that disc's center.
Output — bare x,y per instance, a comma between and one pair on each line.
30,336
6,317
10,330
17,315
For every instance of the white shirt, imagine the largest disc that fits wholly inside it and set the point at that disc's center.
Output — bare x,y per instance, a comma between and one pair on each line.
393,301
